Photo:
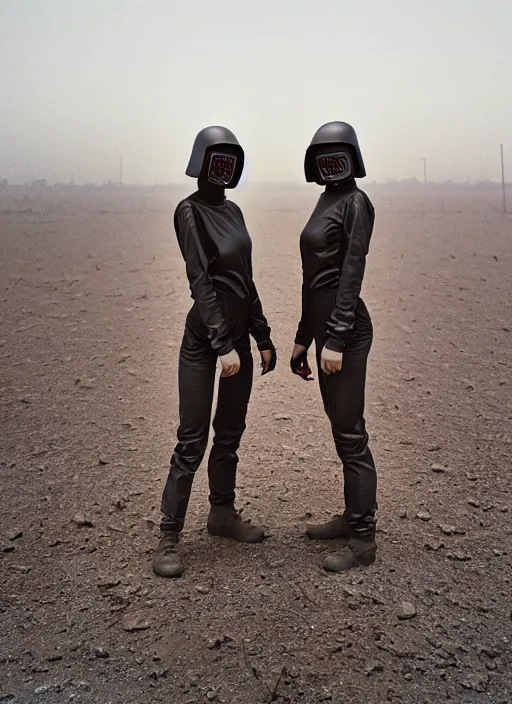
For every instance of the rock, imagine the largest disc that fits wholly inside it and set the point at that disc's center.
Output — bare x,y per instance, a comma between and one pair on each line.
458,556
82,522
211,695
423,516
25,569
7,548
103,460
471,477
477,682
43,689
373,666
378,600
280,416
101,653
407,611
202,589
434,545
136,623
109,582
350,593
434,448
403,513
81,684
438,468
475,504
54,657
159,673
15,535
447,530
326,696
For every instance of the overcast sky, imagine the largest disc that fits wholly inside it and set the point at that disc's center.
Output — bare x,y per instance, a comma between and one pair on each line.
83,81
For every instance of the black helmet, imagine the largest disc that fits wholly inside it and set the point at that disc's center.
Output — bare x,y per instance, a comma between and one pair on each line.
210,140
329,135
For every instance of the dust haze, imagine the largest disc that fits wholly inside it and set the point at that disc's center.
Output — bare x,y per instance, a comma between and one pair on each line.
82,83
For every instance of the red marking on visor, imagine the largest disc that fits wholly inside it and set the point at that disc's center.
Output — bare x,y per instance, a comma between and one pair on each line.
221,169
333,167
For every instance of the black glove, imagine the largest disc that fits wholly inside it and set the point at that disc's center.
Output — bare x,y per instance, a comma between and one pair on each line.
300,366
264,347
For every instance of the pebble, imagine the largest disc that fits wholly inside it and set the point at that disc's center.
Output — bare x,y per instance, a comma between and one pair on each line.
458,556
101,653
43,689
434,448
203,589
475,504
438,468
82,522
103,460
447,530
136,623
403,513
407,611
423,516
15,535
7,548
373,667
211,695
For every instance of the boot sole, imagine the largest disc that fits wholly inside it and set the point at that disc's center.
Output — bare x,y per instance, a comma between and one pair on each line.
341,536
174,574
363,561
219,533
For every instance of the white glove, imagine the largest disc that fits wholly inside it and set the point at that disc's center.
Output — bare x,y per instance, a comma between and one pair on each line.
331,361
230,364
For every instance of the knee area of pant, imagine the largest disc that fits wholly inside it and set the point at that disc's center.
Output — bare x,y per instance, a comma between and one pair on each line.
350,443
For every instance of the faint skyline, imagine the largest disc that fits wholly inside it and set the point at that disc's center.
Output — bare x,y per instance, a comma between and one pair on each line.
85,81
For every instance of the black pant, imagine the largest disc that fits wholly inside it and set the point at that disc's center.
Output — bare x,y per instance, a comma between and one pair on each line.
343,395
196,377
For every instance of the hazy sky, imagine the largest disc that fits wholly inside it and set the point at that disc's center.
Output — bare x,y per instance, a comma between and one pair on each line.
83,81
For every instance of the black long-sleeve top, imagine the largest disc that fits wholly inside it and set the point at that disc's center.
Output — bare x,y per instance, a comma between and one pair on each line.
333,246
217,250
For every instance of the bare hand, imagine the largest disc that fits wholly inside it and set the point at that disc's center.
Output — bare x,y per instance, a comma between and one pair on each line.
330,361
230,364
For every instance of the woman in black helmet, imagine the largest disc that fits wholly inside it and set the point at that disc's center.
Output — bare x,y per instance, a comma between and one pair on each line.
334,245
217,250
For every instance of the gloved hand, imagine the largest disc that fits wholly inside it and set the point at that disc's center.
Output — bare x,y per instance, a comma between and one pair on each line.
268,357
230,364
299,363
330,361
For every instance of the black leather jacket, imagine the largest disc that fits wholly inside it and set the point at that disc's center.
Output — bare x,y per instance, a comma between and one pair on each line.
218,255
333,246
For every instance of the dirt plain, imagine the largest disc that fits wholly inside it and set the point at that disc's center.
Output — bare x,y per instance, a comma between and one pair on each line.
93,298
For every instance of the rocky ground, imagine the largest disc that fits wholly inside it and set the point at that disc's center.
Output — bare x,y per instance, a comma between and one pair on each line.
93,297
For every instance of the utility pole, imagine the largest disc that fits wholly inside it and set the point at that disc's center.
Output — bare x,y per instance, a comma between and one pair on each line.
120,170
503,180
424,168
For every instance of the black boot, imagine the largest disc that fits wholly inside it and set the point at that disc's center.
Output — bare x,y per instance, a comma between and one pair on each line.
225,522
166,561
337,527
360,551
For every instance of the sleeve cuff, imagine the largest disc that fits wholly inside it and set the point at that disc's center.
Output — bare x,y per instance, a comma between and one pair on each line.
265,345
226,349
335,345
